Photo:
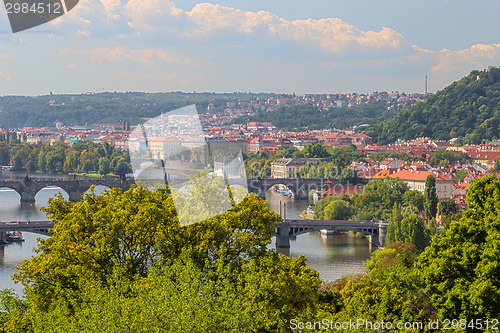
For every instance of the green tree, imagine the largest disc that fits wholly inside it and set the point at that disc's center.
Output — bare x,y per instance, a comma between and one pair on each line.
430,197
447,207
415,199
104,166
390,190
338,210
394,228
122,260
122,167
459,270
315,150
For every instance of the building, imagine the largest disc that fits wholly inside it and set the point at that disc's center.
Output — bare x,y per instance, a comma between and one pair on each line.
288,167
391,163
258,143
416,181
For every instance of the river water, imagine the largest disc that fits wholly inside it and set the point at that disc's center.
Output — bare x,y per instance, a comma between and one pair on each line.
332,256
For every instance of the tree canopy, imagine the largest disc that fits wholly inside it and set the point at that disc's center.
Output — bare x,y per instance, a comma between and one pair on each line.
123,261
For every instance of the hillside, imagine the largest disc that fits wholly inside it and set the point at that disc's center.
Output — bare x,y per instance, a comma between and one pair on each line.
106,107
309,117
468,109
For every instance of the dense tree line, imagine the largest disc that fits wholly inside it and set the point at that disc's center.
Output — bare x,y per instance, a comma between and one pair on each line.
81,157
375,202
308,117
468,109
107,107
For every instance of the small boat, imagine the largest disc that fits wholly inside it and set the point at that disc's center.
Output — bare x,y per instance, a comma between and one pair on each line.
327,232
14,237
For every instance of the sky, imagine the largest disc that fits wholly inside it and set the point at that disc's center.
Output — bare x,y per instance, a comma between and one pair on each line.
280,46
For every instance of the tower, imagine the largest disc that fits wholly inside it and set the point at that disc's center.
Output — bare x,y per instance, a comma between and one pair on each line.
426,85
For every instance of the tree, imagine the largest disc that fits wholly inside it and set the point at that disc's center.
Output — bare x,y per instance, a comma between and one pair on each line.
414,199
135,230
315,150
459,270
338,210
447,207
430,197
104,166
394,227
390,190
124,261
122,167
407,229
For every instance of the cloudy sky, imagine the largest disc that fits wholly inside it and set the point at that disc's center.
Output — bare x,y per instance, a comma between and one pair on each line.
287,46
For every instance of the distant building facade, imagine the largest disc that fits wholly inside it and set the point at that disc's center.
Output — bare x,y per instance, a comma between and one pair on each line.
288,167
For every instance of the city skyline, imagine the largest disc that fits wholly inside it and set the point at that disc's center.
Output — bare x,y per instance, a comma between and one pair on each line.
225,46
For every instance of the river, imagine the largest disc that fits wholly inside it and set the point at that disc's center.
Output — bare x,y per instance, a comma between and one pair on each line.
332,256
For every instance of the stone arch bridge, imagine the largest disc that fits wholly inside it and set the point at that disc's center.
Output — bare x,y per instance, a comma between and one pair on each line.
376,231
301,187
27,188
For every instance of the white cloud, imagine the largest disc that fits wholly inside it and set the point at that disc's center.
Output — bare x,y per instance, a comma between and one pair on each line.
118,54
477,56
112,8
5,56
83,33
206,19
7,75
152,15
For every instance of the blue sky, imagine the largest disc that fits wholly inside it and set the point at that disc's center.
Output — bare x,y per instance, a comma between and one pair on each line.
287,46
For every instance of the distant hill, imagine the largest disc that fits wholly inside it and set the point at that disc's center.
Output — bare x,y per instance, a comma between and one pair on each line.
468,109
98,108
308,117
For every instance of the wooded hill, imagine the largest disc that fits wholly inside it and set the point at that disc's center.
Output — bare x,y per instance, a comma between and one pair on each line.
309,117
99,108
468,109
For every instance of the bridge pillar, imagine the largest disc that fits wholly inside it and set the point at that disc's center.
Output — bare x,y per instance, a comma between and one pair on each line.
283,235
382,232
27,196
74,196
374,240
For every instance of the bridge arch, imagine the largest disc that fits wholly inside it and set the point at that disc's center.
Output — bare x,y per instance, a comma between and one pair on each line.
28,188
41,197
274,188
10,191
99,189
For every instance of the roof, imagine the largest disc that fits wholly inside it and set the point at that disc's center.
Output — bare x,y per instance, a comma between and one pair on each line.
418,175
361,135
343,189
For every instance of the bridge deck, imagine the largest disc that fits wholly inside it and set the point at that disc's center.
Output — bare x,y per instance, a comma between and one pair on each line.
332,223
30,225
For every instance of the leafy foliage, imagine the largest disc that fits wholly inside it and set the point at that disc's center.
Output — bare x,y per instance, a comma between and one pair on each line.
409,229
101,108
460,269
122,262
83,157
445,157
430,197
